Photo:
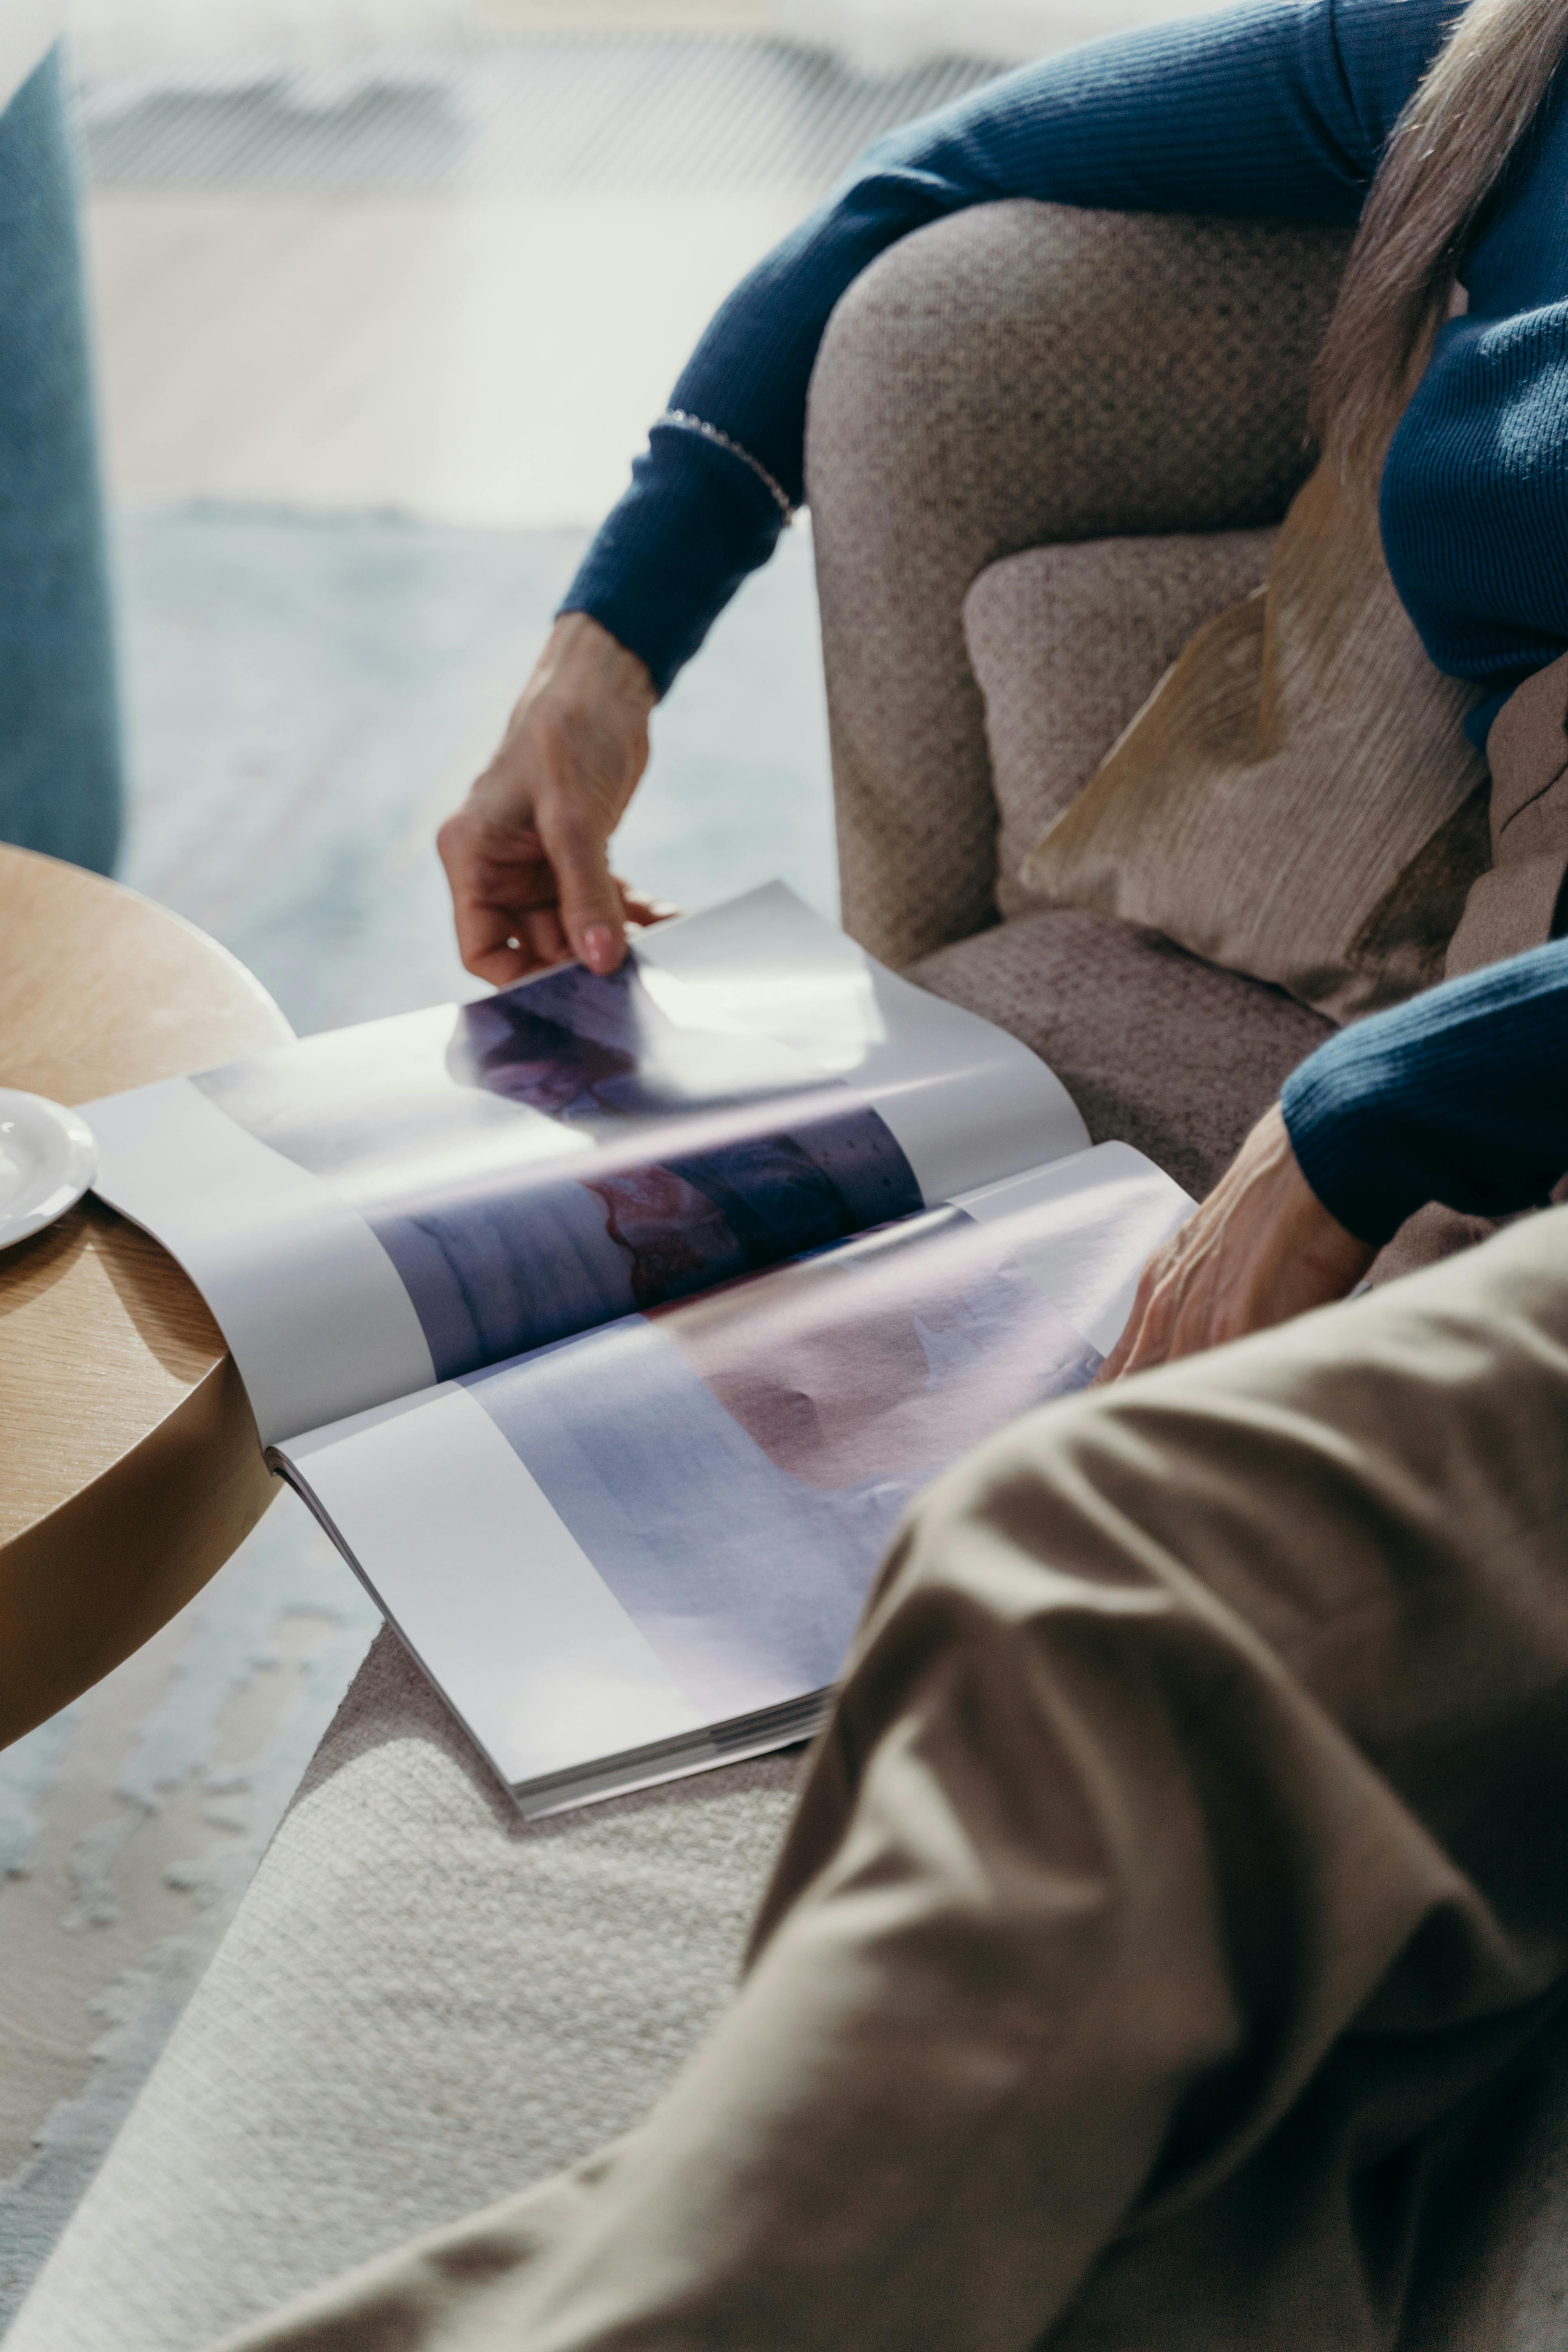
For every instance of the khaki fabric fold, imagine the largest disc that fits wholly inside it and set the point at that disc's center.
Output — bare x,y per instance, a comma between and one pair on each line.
1296,800
1172,1907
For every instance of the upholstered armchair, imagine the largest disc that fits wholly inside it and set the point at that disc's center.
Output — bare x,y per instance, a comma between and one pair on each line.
1045,446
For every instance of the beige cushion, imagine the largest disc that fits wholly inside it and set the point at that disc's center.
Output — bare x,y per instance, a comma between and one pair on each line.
1518,901
1066,642
1296,800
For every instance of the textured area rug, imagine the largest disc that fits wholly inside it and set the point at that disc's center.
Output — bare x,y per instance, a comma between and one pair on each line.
307,698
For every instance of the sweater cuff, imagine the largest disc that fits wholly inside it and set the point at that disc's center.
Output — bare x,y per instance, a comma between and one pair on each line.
666,560
1456,1096
1344,1146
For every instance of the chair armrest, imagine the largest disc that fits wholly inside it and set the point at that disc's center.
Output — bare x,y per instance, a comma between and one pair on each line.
1019,374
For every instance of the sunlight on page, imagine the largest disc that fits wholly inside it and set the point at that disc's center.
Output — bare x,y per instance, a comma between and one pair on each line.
767,964
476,1180
966,1101
769,1433
830,1018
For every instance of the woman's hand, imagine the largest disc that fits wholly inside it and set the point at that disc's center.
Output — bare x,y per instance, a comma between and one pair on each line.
527,855
1261,1248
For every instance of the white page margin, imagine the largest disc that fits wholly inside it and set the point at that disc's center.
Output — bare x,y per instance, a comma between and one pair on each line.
488,1587
246,1223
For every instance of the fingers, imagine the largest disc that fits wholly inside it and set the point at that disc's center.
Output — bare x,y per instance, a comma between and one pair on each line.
1151,1333
528,853
489,899
588,904
642,910
1260,1250
508,920
546,941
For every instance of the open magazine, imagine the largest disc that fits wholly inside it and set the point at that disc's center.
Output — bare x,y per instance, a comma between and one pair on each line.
608,1325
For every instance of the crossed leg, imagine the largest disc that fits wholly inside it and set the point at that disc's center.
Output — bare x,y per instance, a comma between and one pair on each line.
1179,1871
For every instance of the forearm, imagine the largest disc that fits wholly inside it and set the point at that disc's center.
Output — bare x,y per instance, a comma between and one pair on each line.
1278,108
1461,1096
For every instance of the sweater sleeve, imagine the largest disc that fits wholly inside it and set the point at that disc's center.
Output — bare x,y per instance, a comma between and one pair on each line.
1274,109
1461,1096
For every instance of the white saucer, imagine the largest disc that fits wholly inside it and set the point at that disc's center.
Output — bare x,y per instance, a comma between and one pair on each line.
48,1158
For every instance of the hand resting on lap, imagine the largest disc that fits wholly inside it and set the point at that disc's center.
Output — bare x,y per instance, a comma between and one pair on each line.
1260,1249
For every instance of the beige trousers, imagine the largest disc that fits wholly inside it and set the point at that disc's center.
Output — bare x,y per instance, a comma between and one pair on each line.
1174,1901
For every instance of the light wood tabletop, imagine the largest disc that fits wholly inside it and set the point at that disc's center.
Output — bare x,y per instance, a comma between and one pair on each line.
128,1462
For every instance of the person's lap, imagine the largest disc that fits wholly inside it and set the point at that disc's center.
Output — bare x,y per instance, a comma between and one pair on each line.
1177,1886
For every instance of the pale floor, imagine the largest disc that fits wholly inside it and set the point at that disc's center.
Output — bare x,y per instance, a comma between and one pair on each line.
494,358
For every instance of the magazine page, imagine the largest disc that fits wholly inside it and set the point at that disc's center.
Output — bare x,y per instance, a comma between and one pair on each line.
376,1210
669,1524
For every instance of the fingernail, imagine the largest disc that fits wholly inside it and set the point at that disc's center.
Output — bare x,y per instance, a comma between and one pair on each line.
598,947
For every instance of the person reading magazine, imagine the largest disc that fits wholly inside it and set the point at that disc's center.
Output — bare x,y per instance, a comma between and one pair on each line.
1176,1892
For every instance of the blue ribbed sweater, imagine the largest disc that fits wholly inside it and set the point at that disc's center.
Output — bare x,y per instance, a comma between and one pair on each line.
1277,109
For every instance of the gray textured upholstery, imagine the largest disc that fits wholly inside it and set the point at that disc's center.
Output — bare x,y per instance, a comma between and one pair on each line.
422,2003
1019,375
1155,1048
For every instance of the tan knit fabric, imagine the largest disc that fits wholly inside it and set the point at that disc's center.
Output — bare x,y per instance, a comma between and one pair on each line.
1297,799
1515,904
1019,374
1066,642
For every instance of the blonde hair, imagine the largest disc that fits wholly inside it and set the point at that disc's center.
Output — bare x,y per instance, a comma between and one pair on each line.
1445,158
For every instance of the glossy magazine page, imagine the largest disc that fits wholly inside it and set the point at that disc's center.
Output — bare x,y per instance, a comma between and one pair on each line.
646,1548
376,1210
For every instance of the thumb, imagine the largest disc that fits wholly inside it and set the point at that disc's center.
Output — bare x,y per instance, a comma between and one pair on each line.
588,900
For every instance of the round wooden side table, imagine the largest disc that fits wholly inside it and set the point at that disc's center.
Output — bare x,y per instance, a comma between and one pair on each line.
128,1462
